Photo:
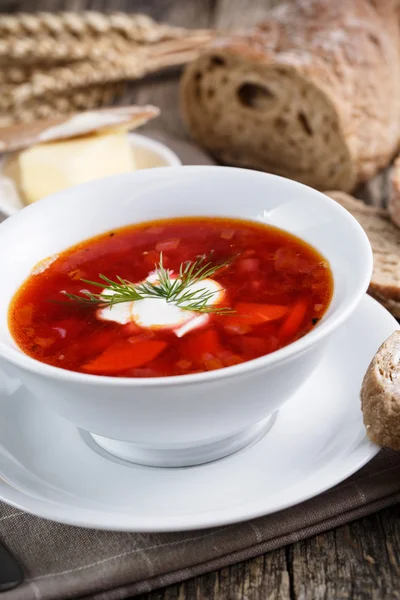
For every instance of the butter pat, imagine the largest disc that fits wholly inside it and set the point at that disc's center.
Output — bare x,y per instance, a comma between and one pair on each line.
54,166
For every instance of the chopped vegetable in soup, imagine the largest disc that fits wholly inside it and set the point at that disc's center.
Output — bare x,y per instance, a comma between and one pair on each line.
171,297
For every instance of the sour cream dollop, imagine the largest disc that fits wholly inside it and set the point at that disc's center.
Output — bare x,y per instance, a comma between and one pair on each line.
157,313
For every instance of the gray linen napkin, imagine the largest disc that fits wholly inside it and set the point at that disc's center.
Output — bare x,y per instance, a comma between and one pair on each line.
61,561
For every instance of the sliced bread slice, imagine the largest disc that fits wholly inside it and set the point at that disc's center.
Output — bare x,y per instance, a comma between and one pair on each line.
384,237
91,122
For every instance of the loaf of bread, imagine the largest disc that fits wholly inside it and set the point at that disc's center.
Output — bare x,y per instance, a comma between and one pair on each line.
384,237
380,395
312,93
394,193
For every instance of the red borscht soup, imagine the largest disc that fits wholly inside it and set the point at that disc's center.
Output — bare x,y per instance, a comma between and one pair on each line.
171,297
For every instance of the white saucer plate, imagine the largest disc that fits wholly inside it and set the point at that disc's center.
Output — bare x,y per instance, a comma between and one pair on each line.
50,469
148,154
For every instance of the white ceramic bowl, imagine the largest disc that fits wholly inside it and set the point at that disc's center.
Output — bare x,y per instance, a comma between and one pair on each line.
148,154
195,418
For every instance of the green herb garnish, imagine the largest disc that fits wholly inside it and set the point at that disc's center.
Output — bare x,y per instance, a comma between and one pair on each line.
175,291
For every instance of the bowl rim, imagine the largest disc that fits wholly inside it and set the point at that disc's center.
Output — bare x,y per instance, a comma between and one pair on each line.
136,139
326,327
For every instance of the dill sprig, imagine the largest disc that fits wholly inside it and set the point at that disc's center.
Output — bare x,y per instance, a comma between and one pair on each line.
175,291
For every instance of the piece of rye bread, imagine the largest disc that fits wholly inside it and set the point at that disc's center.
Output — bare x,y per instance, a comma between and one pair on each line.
91,122
380,395
312,93
394,192
384,237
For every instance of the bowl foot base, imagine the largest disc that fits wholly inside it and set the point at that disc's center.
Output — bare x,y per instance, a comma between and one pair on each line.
184,456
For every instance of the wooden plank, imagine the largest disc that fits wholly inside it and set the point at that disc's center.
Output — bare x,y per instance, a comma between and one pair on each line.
263,578
177,12
164,93
241,13
7,6
375,191
358,561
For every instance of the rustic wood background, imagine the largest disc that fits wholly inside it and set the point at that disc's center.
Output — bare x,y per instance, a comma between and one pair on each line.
359,561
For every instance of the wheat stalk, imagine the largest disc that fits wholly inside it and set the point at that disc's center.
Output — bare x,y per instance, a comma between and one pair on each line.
30,38
58,105
56,63
49,49
136,27
14,75
64,79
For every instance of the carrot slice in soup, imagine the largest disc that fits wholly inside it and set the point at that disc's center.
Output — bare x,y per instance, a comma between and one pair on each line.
123,356
293,320
252,313
98,342
202,345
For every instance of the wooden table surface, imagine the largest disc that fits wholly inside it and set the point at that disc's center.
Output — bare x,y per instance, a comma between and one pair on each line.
360,561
